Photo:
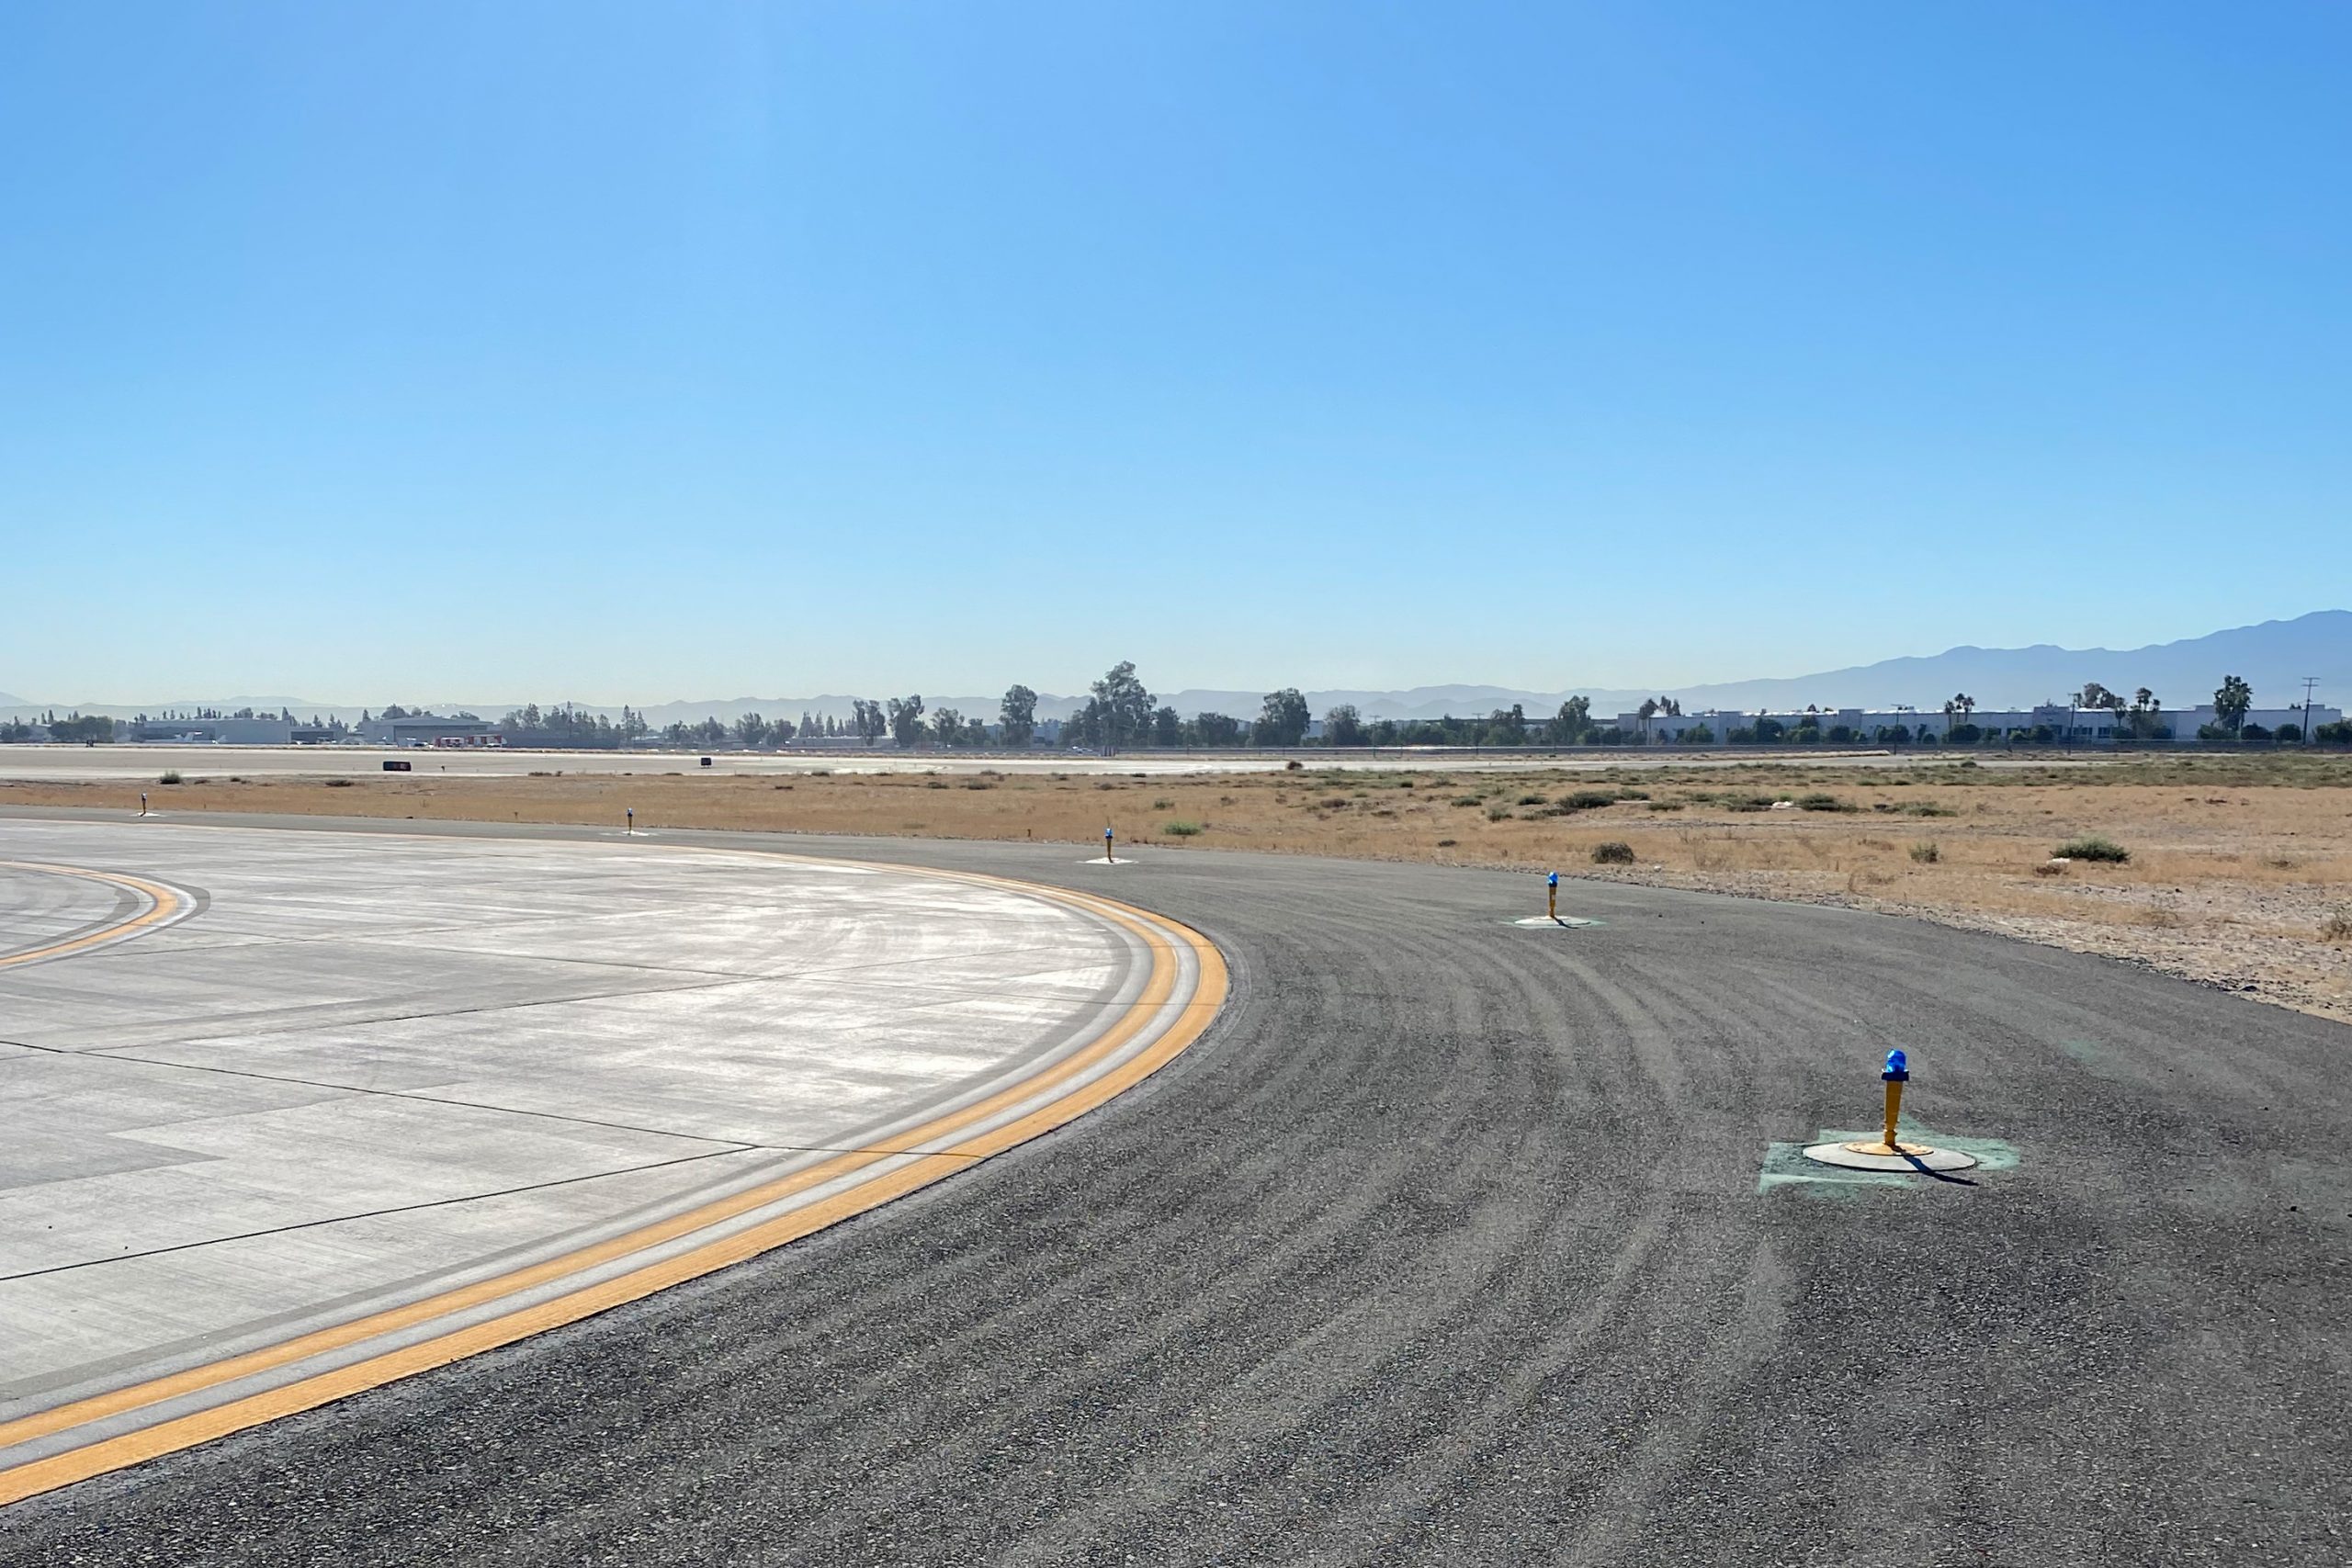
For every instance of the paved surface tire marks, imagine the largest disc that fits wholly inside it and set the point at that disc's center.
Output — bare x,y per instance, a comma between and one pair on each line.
1446,1245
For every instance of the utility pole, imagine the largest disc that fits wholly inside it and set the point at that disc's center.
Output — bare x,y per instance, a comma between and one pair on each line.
2309,682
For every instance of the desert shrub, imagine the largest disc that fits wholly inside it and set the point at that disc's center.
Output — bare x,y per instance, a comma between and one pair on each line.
1748,803
2094,849
1927,808
937,784
1335,803
1823,802
1498,813
2051,868
1925,853
1588,799
1665,806
968,784
1614,852
2338,927
1446,843
1467,800
1163,806
171,776
1181,830
1533,799
339,784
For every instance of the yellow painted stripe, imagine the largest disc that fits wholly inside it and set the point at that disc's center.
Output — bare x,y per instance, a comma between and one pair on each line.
162,904
304,1393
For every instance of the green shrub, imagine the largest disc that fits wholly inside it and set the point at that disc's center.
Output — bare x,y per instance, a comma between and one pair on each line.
1588,799
1927,853
1181,830
1927,808
2094,849
1665,806
1614,852
1748,803
1533,799
1163,806
1823,802
1498,813
171,776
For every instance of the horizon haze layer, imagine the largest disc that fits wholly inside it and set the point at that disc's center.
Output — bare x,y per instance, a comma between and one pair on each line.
2274,656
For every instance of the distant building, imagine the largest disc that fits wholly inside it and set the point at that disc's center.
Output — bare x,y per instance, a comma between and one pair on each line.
2058,720
423,729
215,731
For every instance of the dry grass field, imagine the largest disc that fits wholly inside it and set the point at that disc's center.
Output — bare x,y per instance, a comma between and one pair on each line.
2239,871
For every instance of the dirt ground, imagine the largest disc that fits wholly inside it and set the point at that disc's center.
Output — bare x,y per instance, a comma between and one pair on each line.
2239,871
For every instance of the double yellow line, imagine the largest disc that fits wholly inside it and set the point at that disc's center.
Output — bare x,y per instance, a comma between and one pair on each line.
233,1415
163,905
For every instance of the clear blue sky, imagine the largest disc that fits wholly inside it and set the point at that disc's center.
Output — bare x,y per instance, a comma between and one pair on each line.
638,352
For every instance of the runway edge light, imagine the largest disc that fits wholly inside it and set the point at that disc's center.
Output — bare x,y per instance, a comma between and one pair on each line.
1886,1152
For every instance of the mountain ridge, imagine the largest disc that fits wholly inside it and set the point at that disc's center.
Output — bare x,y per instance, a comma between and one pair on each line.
2274,656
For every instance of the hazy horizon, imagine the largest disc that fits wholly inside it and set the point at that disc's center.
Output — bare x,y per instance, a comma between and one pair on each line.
2303,644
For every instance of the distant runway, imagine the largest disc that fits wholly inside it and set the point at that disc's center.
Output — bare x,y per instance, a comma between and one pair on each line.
124,764
1452,1243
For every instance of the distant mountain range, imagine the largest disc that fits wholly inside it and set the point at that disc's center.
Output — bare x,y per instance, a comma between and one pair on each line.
2274,657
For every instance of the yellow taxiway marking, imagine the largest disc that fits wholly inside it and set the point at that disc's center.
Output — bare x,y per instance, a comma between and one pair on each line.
163,904
321,1388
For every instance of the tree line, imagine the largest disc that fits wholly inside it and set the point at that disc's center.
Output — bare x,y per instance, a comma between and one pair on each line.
1120,714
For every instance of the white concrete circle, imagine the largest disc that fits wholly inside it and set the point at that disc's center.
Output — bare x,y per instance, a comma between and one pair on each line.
377,1067
1934,1159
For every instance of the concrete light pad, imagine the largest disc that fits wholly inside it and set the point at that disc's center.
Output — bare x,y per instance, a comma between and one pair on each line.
1850,1158
1545,923
1098,859
374,1069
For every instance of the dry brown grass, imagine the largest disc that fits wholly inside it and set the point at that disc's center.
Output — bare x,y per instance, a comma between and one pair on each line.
2237,872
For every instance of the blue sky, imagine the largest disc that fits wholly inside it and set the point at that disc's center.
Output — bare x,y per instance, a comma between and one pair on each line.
631,352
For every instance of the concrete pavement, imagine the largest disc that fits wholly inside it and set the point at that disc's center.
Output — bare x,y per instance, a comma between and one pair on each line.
128,765
378,1071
